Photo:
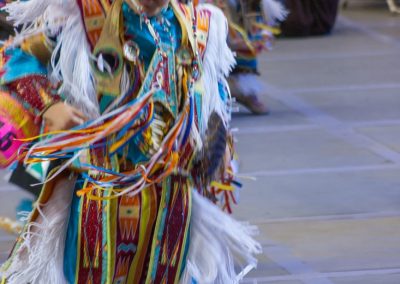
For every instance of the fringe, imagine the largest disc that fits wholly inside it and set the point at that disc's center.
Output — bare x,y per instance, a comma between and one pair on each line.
218,246
70,63
40,257
71,66
217,63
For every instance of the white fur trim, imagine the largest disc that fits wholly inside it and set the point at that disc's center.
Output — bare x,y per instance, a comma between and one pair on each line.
218,246
217,63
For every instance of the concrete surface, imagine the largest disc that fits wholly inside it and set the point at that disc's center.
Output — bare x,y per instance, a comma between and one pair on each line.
327,196
327,159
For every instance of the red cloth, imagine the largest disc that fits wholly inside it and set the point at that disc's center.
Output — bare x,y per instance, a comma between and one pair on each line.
35,91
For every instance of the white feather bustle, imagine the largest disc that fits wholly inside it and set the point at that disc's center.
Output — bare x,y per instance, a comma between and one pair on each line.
40,257
219,245
70,62
217,63
274,11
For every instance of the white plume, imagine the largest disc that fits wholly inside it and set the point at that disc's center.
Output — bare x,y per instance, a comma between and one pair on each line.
274,11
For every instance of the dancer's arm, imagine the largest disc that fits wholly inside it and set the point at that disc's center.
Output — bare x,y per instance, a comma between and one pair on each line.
25,77
23,73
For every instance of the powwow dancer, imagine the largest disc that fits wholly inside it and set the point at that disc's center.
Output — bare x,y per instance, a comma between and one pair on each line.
252,26
141,83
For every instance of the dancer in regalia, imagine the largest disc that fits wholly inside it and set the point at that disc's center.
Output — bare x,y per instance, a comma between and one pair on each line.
252,27
129,102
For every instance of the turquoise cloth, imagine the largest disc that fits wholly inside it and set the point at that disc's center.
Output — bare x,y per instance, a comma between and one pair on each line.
27,65
139,32
251,64
70,251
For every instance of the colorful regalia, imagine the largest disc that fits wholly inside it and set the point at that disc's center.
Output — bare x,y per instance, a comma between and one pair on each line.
3,3
252,27
128,199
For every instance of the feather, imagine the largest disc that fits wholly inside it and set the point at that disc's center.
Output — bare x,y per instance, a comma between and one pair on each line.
274,11
211,156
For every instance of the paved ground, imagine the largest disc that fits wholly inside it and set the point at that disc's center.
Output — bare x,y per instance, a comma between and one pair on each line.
327,159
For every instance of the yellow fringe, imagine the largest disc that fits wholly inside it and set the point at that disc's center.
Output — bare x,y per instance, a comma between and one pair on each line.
275,31
10,226
222,186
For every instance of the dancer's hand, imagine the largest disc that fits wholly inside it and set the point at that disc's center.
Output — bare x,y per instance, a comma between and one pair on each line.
61,116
